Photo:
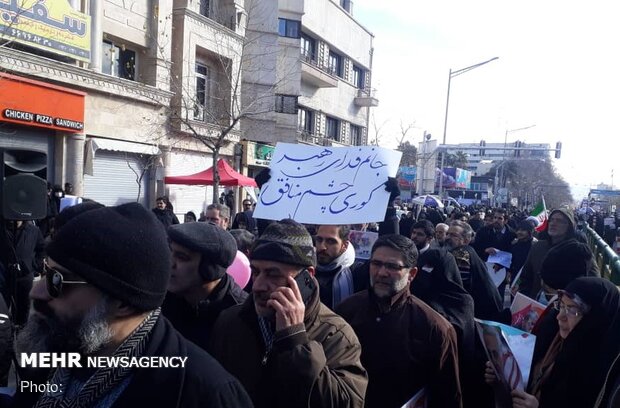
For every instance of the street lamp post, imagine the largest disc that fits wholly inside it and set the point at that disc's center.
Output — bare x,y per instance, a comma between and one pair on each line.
499,170
451,75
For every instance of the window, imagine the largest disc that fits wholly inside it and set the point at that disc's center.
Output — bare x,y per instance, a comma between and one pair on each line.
205,8
356,135
308,47
306,120
335,64
118,61
346,4
289,28
358,77
286,104
332,129
202,92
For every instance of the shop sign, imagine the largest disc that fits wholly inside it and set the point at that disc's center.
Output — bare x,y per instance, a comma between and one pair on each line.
33,103
36,118
257,154
50,25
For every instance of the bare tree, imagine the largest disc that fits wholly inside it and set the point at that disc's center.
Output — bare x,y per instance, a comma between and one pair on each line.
209,104
147,162
377,130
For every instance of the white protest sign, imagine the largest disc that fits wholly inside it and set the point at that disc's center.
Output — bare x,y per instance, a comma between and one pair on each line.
327,185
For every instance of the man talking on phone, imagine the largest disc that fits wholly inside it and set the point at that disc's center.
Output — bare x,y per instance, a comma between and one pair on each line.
286,347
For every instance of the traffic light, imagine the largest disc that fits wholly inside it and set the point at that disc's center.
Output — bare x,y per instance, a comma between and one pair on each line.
558,150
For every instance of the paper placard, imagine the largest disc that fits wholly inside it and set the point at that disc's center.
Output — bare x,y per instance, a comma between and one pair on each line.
505,346
501,258
525,312
327,185
362,241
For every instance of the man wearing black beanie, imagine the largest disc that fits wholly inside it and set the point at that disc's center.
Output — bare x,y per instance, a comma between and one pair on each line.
199,287
99,298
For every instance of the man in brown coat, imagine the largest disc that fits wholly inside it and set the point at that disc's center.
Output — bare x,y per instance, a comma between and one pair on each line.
407,347
286,348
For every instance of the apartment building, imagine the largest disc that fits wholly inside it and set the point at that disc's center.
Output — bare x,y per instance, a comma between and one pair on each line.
316,58
115,93
483,156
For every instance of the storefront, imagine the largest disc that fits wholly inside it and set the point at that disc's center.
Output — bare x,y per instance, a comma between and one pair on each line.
42,117
118,172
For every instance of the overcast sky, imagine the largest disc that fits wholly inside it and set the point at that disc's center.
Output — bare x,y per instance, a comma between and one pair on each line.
558,69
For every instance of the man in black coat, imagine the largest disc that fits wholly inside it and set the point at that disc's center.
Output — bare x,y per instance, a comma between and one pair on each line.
199,287
22,250
163,212
104,282
497,236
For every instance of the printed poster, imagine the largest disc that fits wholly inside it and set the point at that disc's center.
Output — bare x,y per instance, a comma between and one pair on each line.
362,241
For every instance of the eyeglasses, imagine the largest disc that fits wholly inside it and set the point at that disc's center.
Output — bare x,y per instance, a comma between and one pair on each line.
55,280
572,311
392,267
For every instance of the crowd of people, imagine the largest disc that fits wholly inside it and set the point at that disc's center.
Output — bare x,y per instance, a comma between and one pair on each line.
315,326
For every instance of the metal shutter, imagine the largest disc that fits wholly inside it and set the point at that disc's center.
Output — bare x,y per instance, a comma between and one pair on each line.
114,182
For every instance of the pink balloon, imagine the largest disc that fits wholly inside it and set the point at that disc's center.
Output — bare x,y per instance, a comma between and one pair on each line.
240,269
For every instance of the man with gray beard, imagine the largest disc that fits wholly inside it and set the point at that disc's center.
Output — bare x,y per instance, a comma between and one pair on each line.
407,347
99,299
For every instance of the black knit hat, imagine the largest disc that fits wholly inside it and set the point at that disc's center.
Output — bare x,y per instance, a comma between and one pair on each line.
217,247
123,251
69,213
565,262
285,241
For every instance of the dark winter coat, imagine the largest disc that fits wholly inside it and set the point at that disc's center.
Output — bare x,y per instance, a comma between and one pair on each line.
477,282
406,346
196,323
201,383
29,247
318,367
487,237
166,216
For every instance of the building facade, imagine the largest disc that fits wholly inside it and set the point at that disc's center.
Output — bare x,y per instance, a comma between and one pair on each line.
483,156
316,59
123,94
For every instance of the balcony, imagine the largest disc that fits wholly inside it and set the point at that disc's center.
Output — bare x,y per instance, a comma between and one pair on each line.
314,74
318,139
366,98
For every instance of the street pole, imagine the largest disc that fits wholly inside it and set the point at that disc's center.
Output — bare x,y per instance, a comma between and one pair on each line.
452,74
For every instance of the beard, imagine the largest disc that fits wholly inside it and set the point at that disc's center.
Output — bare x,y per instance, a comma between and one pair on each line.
47,333
390,287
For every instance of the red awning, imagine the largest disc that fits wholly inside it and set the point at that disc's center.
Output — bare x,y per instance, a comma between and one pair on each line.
228,177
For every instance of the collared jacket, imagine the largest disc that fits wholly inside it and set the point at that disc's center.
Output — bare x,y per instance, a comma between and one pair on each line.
406,346
196,323
318,367
487,237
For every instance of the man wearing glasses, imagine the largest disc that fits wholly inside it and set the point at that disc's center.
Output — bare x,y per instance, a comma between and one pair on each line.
100,295
407,347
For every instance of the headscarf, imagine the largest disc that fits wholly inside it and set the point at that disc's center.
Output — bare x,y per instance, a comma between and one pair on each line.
588,351
438,283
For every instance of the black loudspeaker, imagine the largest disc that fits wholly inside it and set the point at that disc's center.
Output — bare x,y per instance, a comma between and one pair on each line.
24,187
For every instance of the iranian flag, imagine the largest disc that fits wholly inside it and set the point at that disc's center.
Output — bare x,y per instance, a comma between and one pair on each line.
540,212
